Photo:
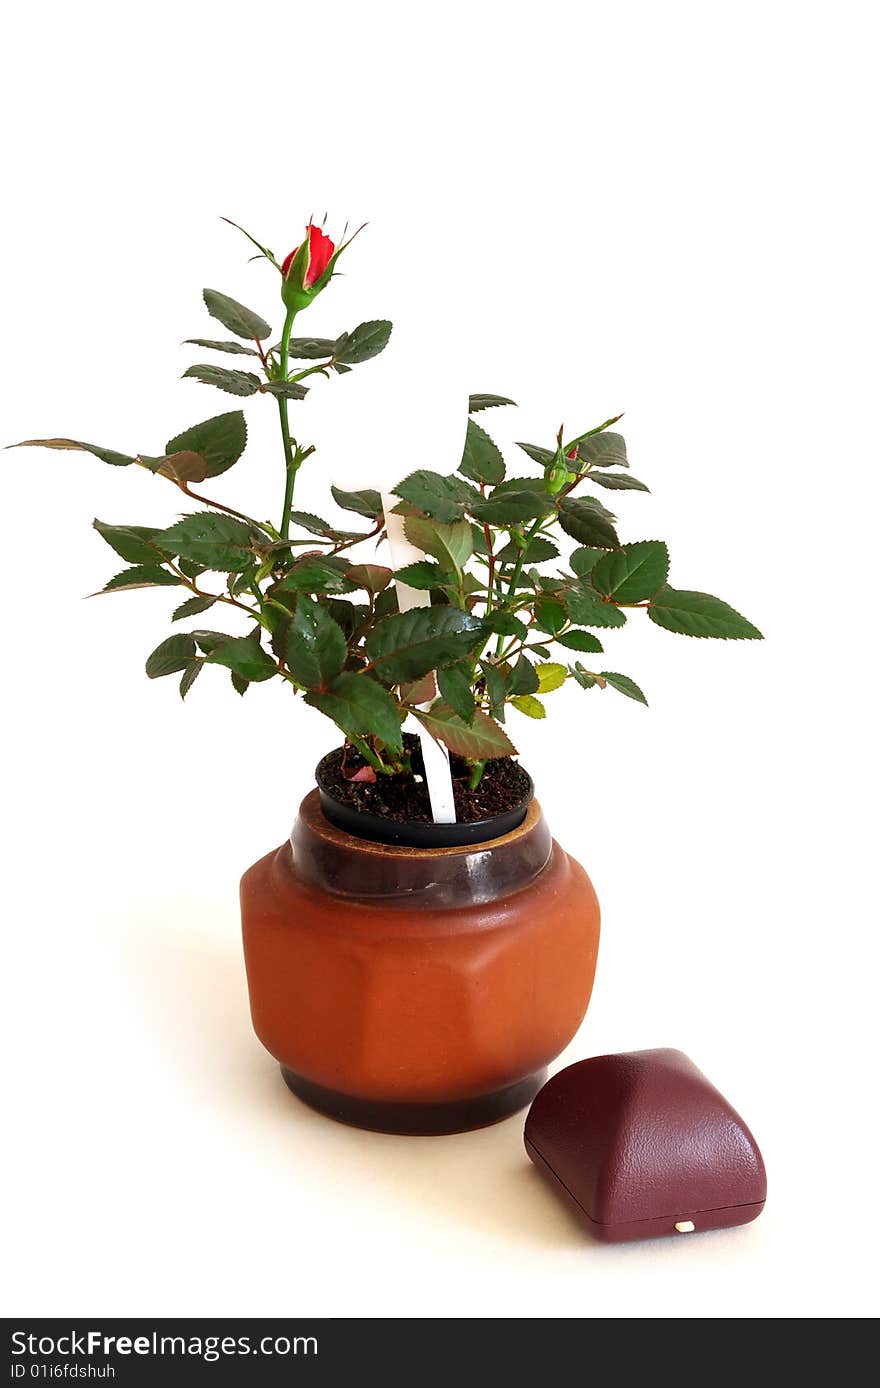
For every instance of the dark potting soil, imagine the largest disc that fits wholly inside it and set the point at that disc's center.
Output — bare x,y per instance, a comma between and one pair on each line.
403,799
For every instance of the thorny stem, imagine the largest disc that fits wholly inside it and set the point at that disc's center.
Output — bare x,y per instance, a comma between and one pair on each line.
291,460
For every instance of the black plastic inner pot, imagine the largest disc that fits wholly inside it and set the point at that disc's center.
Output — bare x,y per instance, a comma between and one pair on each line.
364,824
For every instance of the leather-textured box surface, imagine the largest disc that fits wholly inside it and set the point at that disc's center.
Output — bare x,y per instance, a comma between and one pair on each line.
641,1145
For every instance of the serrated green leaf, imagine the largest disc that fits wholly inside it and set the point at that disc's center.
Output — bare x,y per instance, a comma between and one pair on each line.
191,608
633,573
523,678
438,497
365,341
481,460
311,348
133,543
316,525
541,651
233,382
582,676
217,541
454,683
245,657
529,705
505,624
106,455
236,348
239,683
603,450
586,608
584,560
141,576
537,453
550,615
171,655
423,575
372,577
585,521
538,551
220,441
316,573
290,390
365,503
579,641
237,319
315,649
452,545
407,645
209,641
624,685
496,687
487,402
699,614
550,676
618,482
481,740
513,507
189,676
358,705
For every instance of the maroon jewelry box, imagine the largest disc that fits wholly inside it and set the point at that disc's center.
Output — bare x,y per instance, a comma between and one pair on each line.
641,1145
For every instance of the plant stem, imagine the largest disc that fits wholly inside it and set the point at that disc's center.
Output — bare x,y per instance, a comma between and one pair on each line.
217,505
517,570
292,459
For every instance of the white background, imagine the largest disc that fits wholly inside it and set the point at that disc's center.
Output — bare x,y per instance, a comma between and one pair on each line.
668,209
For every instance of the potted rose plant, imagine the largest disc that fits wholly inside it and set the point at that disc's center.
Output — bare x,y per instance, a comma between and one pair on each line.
407,975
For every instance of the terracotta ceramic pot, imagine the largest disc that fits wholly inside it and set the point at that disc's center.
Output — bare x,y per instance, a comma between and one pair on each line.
417,990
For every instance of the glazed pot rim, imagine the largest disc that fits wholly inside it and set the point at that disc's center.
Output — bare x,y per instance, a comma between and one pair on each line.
426,835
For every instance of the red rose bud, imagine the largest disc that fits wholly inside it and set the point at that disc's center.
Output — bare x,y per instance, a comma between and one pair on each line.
572,453
307,269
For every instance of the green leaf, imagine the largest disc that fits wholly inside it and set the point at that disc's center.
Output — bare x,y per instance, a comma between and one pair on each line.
190,568
530,706
487,402
220,441
438,497
233,382
239,683
133,543
105,454
452,545
537,453
366,341
588,433
541,651
481,460
351,616
583,677
585,521
579,641
496,686
191,608
245,657
141,576
358,705
316,573
523,678
587,609
180,467
237,319
538,551
505,624
454,683
550,676
583,561
511,507
315,649
311,348
422,575
217,541
289,390
209,641
699,614
235,348
618,482
373,577
481,740
315,525
173,654
633,573
624,685
603,450
406,645
189,676
550,615
366,503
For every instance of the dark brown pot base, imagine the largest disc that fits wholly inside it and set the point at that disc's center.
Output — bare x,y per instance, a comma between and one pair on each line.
417,1120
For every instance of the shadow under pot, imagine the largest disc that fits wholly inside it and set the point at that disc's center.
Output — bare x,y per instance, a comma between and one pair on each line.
418,989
